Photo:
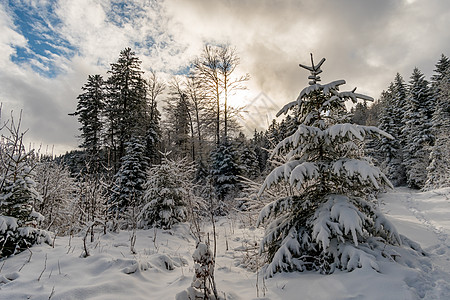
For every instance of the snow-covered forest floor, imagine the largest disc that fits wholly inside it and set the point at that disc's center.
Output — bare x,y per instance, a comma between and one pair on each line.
163,266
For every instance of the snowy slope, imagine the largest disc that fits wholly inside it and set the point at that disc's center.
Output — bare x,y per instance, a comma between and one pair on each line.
163,265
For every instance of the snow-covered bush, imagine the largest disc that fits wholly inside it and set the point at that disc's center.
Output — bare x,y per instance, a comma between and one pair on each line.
169,194
18,195
328,220
58,190
203,284
15,238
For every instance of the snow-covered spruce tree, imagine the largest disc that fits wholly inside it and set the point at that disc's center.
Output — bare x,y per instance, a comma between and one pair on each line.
382,150
249,161
442,69
416,131
90,108
391,121
224,172
169,194
128,186
125,105
261,144
287,127
438,174
360,113
18,195
329,222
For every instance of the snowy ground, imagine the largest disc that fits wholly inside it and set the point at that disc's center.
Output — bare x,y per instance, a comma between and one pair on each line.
163,265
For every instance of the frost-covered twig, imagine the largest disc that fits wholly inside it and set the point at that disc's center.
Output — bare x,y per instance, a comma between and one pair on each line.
28,260
52,293
45,267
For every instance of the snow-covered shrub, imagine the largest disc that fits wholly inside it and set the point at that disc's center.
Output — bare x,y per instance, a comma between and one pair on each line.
169,194
90,209
15,238
58,190
326,222
18,195
203,284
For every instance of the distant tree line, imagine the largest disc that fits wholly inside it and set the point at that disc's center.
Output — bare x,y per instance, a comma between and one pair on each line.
417,114
125,138
155,152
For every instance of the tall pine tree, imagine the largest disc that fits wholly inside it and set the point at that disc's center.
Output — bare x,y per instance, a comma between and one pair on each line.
90,108
129,181
416,131
438,174
225,170
125,105
391,121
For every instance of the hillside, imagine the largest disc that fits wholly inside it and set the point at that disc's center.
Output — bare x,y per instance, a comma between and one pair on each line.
163,264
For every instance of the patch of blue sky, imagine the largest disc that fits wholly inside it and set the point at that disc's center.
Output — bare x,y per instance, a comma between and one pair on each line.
124,12
147,43
184,70
44,44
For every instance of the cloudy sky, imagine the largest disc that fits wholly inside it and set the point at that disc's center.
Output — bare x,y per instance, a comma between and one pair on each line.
49,47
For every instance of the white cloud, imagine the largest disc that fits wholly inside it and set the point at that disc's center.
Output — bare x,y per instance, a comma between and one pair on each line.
9,38
365,42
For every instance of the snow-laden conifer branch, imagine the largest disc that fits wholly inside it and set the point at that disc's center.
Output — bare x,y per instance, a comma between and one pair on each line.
362,170
294,172
331,89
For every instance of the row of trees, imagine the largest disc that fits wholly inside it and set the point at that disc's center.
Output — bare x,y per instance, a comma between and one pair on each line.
328,218
417,115
125,106
138,168
122,134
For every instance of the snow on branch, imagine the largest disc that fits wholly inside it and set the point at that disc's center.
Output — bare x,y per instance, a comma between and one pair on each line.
301,173
302,133
294,172
352,131
327,88
336,217
331,88
382,224
349,131
360,168
277,174
352,258
351,95
288,106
